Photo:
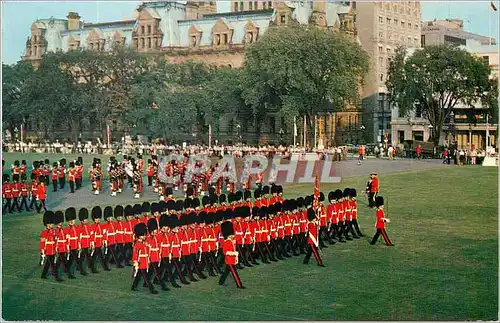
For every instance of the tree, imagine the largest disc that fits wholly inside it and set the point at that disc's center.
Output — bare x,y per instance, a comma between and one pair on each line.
436,79
299,70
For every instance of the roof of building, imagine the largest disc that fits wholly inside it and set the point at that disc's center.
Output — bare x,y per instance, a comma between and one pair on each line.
108,23
238,13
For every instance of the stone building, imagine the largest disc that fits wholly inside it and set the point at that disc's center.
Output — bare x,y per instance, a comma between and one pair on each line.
382,27
194,31
449,31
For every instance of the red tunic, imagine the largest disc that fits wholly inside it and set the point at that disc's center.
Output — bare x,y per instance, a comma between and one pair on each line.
205,239
238,233
380,223
166,245
119,230
176,245
249,233
303,221
109,231
141,255
312,237
41,192
347,210
280,227
54,174
47,242
214,238
61,172
354,210
34,188
322,215
96,234
184,236
84,232
24,189
128,231
288,225
62,243
193,240
71,175
71,234
7,190
16,190
229,246
154,248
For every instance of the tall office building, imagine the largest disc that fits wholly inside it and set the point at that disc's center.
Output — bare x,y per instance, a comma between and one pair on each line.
382,27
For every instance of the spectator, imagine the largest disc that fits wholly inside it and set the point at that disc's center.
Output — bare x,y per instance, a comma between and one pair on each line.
418,151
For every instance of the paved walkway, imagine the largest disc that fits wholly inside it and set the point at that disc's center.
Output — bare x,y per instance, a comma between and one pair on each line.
85,198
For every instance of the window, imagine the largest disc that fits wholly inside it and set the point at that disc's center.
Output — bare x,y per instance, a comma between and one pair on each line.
380,35
418,111
143,43
380,20
250,5
142,30
422,40
388,49
193,41
256,5
149,42
380,61
415,26
149,29
264,5
217,39
225,39
283,19
272,125
270,4
236,6
486,60
381,77
409,40
380,123
242,8
388,21
402,24
380,49
418,135
396,22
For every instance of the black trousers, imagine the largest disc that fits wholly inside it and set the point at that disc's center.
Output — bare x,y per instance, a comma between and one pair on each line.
355,224
62,181
46,179
371,199
312,249
49,263
54,185
176,262
142,273
40,206
63,260
166,271
99,253
33,205
111,253
155,270
127,248
74,259
230,269
78,182
7,206
381,232
24,201
14,203
150,180
72,187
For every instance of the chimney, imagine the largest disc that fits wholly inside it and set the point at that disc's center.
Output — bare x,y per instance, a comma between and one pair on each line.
73,21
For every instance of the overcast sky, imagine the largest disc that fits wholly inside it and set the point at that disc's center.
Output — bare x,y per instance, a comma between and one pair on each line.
17,17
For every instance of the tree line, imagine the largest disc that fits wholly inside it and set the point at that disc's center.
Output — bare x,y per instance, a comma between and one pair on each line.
291,72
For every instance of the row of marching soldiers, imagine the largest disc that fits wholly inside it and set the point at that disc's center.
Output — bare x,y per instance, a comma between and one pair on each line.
21,194
178,239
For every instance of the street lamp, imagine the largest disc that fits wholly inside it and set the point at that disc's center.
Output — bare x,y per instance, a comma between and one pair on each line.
281,132
430,132
238,131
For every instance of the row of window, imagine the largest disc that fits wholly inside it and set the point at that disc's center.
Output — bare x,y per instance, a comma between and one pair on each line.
404,40
152,42
395,22
251,5
400,8
149,28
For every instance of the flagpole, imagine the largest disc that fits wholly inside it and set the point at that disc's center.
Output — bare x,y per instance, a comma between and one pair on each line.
489,23
315,131
209,136
305,130
294,131
487,134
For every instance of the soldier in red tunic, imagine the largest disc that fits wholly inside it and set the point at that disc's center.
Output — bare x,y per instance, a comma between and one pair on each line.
72,177
96,239
149,172
73,240
140,258
381,220
84,236
230,254
354,212
166,238
153,241
128,233
6,194
62,246
54,176
109,238
79,173
16,192
15,171
33,191
24,193
62,173
120,234
48,247
313,238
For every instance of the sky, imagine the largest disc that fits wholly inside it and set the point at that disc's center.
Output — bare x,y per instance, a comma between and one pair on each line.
17,17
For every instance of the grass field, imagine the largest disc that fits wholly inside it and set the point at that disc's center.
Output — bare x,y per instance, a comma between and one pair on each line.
444,223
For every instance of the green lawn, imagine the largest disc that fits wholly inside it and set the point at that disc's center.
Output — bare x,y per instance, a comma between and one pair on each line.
444,267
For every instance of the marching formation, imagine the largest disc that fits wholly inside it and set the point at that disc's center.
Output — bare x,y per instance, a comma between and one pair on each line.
170,242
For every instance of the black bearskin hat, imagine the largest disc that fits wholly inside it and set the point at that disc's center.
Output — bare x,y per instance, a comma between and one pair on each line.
379,201
70,214
33,176
179,205
265,190
239,195
16,163
54,164
308,200
346,192
108,212
152,225
137,209
118,211
154,208
189,191
321,196
195,203
48,218
170,205
169,191
129,210
59,217
6,178
205,200
338,194
227,229
257,193
146,207
83,214
96,212
140,230
300,202
274,189
331,196
222,198
353,192
247,194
